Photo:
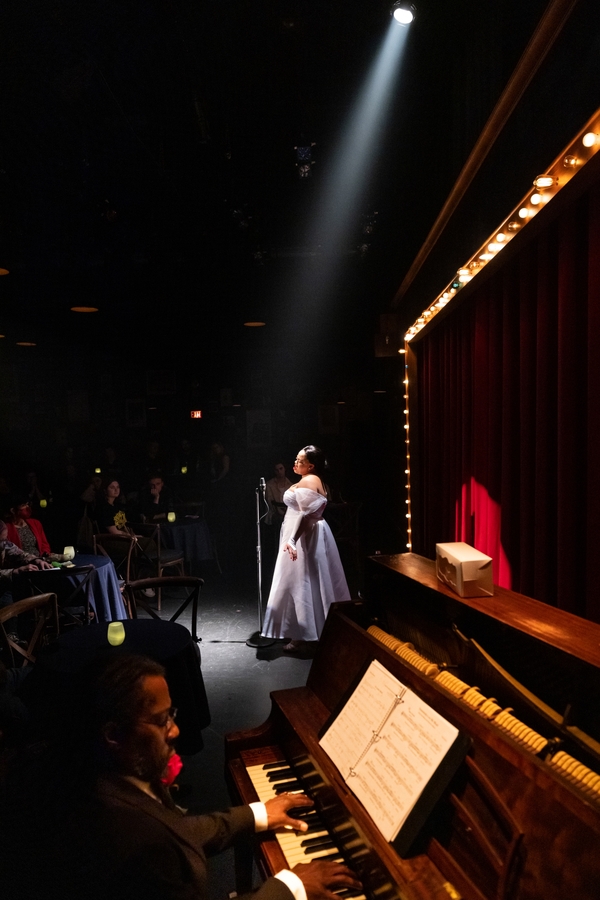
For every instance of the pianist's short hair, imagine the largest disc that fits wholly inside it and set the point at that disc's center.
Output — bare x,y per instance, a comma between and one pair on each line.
117,688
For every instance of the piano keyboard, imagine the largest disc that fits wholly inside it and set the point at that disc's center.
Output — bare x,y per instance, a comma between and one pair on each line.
275,778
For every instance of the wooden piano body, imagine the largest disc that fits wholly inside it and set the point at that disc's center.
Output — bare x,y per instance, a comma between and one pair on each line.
512,826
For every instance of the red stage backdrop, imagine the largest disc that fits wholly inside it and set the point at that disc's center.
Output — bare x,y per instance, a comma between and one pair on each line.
506,454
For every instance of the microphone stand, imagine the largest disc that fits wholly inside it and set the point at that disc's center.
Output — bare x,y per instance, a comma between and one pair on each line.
256,639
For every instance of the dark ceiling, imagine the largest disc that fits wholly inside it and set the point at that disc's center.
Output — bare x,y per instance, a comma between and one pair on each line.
148,168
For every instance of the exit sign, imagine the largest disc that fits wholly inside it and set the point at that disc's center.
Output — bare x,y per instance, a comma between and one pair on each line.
196,414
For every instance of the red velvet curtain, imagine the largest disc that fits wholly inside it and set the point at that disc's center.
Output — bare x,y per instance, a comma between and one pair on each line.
506,453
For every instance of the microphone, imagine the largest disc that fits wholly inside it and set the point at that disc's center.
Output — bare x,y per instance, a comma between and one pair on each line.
263,486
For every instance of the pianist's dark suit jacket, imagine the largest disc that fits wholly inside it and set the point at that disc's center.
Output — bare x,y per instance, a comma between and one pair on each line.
130,847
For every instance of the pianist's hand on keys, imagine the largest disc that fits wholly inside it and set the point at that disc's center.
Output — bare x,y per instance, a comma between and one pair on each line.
277,811
318,876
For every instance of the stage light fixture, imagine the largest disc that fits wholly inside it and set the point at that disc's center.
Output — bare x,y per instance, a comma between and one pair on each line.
403,12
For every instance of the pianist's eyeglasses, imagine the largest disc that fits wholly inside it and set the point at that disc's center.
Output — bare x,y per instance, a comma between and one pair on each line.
163,720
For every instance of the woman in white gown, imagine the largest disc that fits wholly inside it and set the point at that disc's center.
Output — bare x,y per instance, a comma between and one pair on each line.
308,574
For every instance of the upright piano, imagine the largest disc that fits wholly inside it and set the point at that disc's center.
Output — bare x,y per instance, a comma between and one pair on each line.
520,820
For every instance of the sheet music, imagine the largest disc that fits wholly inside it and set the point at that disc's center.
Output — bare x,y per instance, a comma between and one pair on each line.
387,743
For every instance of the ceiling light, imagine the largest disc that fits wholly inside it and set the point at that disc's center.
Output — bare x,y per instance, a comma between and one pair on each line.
589,139
254,324
4,271
84,309
25,344
570,162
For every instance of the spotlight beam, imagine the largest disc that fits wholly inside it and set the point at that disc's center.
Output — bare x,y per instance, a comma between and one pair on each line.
348,171
333,218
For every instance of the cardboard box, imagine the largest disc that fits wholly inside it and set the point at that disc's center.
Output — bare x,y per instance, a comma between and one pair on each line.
464,569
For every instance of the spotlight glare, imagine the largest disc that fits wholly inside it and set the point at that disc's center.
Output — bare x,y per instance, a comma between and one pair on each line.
403,12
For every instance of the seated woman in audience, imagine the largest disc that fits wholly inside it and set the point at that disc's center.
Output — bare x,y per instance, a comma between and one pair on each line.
28,533
275,489
110,510
111,519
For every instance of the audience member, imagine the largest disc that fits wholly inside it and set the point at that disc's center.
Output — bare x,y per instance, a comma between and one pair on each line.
34,492
190,471
219,462
111,519
14,561
156,500
99,821
28,533
91,491
187,458
110,510
275,489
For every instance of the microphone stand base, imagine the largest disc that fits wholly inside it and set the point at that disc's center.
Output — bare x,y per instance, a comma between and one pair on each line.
257,640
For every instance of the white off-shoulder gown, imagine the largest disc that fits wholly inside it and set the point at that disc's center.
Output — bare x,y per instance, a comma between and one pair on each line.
304,589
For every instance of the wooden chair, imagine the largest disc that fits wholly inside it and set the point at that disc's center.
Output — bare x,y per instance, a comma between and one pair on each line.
72,591
156,561
119,549
45,608
134,597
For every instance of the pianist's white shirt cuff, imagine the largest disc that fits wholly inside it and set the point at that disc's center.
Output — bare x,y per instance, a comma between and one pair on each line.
293,882
261,817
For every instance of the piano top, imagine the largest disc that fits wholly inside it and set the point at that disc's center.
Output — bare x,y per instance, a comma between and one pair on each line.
578,637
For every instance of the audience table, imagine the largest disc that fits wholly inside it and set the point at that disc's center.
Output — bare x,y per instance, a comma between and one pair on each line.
59,667
191,537
103,591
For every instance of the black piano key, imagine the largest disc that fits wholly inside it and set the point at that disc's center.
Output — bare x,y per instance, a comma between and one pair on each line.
283,786
349,892
280,775
323,842
302,812
318,826
333,857
318,842
275,765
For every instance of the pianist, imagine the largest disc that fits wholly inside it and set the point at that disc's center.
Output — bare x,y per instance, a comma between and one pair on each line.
112,830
